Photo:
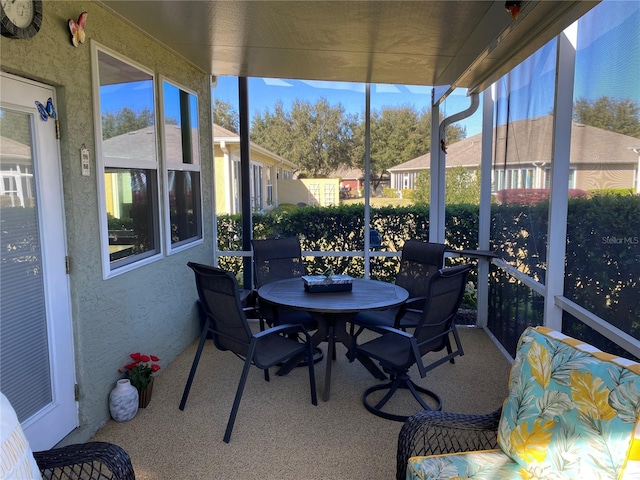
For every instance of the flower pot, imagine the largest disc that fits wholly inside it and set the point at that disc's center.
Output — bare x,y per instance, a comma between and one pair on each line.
123,401
144,396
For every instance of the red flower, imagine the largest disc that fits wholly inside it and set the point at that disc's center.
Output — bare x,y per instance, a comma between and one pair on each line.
140,370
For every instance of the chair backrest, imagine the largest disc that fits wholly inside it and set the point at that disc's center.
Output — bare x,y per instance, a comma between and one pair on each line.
219,296
444,297
276,259
418,263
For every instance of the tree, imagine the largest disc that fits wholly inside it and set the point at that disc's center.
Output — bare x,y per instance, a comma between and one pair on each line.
621,116
398,134
126,120
395,138
318,137
461,186
226,116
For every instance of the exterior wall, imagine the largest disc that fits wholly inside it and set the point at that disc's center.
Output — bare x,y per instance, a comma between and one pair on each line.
152,308
604,176
223,176
310,191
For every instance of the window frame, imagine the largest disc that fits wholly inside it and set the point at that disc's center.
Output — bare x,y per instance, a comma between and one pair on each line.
111,269
167,166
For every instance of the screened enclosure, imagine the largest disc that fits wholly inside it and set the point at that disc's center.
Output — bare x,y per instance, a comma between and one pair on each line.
545,190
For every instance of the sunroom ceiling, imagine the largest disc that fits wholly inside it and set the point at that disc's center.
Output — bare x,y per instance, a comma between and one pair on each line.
459,43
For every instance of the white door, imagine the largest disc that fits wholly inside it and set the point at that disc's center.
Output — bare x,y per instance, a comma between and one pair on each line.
37,371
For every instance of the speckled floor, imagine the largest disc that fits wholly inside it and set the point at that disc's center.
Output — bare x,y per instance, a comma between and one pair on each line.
279,434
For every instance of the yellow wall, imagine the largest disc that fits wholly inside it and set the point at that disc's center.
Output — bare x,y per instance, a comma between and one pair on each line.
311,191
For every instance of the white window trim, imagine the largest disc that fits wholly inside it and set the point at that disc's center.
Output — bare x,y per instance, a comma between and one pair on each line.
178,166
107,271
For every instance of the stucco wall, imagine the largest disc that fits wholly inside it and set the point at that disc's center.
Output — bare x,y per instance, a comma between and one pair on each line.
150,309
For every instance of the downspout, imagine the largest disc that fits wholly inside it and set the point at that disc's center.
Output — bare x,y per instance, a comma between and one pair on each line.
636,150
438,152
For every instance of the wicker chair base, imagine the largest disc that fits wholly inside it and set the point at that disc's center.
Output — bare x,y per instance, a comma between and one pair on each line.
433,433
92,460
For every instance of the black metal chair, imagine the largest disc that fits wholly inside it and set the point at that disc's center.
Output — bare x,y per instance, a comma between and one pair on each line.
418,263
225,320
397,350
276,259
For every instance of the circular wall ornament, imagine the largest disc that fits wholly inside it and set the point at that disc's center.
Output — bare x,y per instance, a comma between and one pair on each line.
20,18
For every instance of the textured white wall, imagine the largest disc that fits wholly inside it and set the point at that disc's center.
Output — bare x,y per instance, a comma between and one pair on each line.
150,309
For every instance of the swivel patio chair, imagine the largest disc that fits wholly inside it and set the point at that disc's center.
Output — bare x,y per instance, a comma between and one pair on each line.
226,321
397,350
418,263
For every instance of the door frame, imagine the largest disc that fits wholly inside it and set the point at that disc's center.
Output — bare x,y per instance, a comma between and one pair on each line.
52,423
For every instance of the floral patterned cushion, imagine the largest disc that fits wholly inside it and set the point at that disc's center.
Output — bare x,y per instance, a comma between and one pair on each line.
489,464
572,410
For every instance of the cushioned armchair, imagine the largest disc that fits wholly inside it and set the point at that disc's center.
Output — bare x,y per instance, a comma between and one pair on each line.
90,461
572,412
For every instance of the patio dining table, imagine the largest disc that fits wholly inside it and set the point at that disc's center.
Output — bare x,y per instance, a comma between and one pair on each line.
332,311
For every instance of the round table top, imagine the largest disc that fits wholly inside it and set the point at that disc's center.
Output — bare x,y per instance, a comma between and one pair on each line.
365,295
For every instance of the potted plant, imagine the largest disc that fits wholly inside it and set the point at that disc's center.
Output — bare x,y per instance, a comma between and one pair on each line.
140,372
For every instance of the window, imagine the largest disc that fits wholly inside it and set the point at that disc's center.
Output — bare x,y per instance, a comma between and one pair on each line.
127,162
181,150
269,179
257,202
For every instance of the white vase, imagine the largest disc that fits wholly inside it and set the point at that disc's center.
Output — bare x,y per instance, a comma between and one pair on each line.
123,401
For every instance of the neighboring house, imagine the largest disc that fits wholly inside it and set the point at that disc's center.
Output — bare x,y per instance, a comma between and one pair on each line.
352,181
599,158
266,169
16,174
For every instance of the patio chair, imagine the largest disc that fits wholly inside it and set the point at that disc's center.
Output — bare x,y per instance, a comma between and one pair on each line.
277,259
91,460
225,318
397,350
418,263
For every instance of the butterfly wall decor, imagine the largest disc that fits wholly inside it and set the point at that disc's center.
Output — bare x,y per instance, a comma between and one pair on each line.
48,111
77,29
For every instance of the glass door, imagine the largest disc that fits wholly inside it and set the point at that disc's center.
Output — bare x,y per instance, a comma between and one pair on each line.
36,348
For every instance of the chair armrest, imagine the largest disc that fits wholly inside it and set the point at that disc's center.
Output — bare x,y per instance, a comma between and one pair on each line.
92,460
433,433
284,328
